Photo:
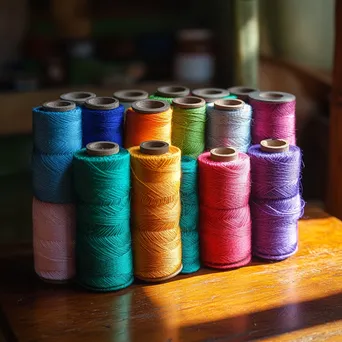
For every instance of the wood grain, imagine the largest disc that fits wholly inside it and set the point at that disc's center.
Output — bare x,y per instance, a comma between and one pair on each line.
299,299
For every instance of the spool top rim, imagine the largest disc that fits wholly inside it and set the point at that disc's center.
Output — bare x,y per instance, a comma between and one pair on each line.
130,95
242,90
229,104
154,147
210,94
149,106
102,148
223,154
78,97
274,145
173,91
272,96
188,102
59,106
102,103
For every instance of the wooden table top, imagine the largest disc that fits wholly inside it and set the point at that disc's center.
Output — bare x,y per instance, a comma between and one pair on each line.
299,299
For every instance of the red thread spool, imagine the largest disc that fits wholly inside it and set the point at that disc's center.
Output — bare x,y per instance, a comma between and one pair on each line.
225,221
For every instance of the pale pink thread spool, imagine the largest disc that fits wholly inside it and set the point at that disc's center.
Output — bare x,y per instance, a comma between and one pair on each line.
274,116
53,240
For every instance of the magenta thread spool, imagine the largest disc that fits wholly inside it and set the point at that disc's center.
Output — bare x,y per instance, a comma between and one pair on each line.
273,116
276,203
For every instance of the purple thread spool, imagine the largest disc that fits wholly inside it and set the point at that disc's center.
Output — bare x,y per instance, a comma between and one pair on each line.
275,209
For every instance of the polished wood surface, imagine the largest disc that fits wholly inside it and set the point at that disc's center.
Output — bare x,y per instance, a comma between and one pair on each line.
299,299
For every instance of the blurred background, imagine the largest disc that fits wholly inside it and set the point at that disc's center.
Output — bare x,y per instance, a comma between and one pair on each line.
49,47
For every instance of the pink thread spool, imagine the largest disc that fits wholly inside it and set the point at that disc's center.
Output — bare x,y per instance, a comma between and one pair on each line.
53,240
274,116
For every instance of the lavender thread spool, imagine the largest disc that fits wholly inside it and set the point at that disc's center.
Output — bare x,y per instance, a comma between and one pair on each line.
229,124
276,208
273,116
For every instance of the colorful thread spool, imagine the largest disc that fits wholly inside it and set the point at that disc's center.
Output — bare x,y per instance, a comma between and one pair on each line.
103,120
78,97
57,134
274,116
189,215
229,124
276,204
210,95
53,240
103,241
168,93
127,97
148,120
225,221
156,208
242,92
188,125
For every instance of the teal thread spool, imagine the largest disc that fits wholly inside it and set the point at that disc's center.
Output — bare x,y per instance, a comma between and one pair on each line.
189,216
127,97
168,93
188,125
103,239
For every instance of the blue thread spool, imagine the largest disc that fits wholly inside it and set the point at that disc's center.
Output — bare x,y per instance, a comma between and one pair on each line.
229,124
102,120
57,134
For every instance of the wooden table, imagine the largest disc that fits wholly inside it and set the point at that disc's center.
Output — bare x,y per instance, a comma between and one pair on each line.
299,299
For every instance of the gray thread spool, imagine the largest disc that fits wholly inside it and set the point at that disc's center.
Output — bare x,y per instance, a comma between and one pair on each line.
229,124
127,97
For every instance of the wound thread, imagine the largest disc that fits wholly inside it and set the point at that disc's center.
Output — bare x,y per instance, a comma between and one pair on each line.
103,125
53,240
156,212
189,216
276,203
188,130
225,221
229,127
141,127
103,242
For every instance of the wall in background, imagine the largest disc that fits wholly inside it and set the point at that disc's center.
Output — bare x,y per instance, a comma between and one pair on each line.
299,30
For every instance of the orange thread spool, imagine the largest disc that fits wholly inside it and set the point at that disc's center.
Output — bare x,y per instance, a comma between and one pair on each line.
156,172
148,120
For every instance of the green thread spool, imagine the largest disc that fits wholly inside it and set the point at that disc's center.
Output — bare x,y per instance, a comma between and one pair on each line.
189,216
103,239
188,125
168,93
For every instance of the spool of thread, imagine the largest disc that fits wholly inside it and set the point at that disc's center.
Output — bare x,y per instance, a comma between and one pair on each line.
210,95
229,124
127,97
276,203
156,207
168,93
148,120
53,240
103,119
189,216
103,242
242,92
78,97
225,221
57,134
188,125
274,116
